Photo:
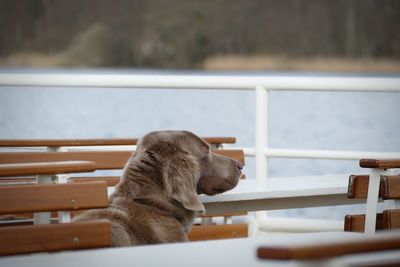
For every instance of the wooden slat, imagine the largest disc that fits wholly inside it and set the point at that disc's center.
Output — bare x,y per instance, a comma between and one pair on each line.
389,186
356,222
66,142
391,219
55,237
220,140
380,163
93,142
331,249
237,154
210,232
73,196
105,160
21,169
110,180
358,186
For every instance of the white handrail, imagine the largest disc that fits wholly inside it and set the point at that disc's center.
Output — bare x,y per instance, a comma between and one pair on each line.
321,154
190,81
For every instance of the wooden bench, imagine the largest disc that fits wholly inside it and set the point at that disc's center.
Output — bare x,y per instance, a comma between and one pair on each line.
388,191
40,199
115,160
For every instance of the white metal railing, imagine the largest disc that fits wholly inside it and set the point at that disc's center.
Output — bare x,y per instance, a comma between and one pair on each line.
261,84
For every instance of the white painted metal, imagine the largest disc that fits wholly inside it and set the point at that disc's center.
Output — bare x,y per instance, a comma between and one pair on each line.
190,81
321,154
63,216
261,143
43,217
299,225
261,135
372,200
206,221
227,219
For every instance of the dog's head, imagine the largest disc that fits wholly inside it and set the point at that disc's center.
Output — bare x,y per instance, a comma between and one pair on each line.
189,167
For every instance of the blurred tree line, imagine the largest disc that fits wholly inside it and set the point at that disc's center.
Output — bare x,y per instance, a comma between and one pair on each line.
179,33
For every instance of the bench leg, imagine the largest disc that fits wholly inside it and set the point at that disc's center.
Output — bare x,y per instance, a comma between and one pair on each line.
372,201
43,217
63,216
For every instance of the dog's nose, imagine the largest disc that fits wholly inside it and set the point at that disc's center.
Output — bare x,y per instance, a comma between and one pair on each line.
239,165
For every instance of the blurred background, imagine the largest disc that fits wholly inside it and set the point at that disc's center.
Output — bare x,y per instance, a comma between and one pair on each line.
310,35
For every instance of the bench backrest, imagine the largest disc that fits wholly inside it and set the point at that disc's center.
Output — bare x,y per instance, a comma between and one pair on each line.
389,192
43,198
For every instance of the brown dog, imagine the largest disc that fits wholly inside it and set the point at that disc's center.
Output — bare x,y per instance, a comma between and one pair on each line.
157,198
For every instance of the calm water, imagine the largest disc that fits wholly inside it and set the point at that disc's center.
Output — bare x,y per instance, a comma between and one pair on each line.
304,120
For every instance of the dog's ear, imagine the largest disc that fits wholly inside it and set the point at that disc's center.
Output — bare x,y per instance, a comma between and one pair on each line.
180,172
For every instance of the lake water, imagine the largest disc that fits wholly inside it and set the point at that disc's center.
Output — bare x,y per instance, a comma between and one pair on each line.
303,120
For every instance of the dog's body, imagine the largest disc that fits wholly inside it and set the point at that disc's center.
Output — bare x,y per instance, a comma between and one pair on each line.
157,200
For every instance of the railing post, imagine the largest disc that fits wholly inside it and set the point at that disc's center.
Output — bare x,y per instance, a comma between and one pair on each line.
261,145
261,135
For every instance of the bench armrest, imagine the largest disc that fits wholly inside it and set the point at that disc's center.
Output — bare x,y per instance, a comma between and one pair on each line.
380,163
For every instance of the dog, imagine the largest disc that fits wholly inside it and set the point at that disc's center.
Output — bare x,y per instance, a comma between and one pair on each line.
157,198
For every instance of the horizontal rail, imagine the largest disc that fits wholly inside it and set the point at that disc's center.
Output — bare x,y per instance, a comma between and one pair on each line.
93,142
322,154
190,81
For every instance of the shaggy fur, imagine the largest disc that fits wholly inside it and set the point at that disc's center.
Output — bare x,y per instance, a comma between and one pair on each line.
157,200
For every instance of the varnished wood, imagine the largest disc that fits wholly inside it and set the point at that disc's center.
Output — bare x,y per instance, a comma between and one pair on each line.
391,219
58,167
210,232
54,237
330,249
237,154
358,186
389,186
356,222
66,142
104,160
32,198
93,142
110,180
380,163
